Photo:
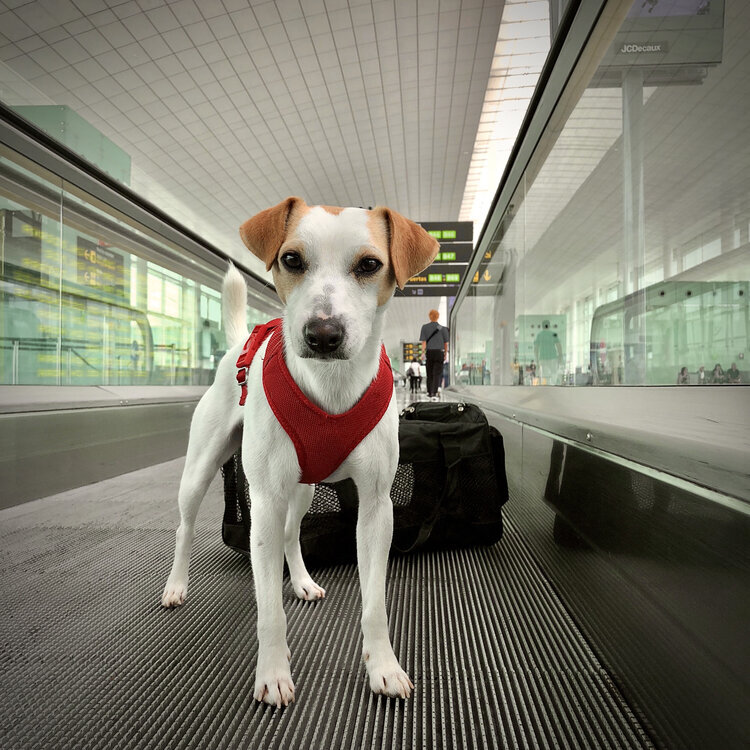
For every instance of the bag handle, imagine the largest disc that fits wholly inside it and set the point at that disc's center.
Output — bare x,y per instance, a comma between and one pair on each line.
451,446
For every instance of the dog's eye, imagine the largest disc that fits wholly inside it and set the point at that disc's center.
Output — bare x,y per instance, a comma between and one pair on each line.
368,266
293,261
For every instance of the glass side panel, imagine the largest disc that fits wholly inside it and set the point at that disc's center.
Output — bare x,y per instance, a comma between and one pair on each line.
30,261
88,300
624,256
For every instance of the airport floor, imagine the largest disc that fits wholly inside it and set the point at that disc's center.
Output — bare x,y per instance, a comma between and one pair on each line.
91,660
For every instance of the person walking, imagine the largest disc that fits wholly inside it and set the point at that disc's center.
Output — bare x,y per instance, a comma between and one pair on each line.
414,377
549,353
434,338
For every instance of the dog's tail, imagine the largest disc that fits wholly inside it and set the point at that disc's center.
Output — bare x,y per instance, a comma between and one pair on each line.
234,307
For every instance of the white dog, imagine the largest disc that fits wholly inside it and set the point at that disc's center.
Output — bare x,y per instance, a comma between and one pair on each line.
335,269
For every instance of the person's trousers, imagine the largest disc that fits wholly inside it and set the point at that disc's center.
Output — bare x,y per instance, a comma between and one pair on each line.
434,370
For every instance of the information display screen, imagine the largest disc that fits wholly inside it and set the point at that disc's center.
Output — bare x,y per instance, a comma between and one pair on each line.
447,271
411,350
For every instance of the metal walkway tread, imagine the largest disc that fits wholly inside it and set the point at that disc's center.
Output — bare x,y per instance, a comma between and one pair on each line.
90,660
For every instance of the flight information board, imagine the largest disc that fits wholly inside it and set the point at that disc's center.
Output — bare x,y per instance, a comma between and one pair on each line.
411,350
447,271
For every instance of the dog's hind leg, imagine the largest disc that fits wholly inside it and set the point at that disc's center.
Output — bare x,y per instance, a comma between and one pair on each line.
302,583
213,439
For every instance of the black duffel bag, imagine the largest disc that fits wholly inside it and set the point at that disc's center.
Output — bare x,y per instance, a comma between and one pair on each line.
448,491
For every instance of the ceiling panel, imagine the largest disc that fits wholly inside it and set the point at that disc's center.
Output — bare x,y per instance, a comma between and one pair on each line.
227,107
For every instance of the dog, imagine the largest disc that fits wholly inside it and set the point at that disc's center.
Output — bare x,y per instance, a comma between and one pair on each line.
335,270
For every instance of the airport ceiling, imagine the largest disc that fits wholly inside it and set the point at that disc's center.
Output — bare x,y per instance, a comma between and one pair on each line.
227,106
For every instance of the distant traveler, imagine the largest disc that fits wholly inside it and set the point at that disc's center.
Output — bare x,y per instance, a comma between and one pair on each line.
412,371
683,377
434,338
733,374
548,352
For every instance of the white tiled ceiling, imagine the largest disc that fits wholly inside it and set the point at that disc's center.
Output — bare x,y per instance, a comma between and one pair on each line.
228,106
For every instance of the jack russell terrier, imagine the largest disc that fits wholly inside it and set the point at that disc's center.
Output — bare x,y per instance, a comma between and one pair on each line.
335,269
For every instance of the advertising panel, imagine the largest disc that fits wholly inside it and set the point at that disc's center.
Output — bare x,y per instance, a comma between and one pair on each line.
685,35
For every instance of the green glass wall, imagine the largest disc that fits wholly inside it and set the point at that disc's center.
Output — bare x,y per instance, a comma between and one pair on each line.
88,299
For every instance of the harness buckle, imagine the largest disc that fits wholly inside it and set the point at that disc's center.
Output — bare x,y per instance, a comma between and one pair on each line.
242,375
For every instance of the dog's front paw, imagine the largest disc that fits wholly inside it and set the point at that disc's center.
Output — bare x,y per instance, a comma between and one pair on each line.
387,677
274,687
307,589
273,678
174,594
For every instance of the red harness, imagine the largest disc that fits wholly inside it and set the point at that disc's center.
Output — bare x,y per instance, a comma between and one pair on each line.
322,440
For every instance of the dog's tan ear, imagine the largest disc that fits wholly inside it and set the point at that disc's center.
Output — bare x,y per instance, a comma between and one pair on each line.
410,247
265,232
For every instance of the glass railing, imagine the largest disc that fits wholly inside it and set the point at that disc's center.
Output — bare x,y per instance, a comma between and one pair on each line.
621,256
89,299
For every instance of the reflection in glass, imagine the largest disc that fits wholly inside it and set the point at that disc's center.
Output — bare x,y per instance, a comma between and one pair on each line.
84,299
627,236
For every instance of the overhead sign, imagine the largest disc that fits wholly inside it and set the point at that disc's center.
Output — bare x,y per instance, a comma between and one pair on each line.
670,32
488,276
450,231
21,245
447,271
455,252
100,267
411,350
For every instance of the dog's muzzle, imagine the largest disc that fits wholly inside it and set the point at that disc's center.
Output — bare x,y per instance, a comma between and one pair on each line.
323,336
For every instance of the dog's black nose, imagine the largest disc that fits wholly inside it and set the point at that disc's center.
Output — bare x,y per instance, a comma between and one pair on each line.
323,336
